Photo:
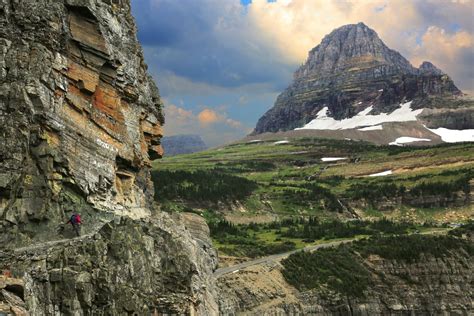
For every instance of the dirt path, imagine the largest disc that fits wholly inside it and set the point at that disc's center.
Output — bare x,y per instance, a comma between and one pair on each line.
220,272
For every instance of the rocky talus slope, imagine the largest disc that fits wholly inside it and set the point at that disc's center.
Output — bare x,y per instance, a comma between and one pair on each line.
429,286
81,121
352,69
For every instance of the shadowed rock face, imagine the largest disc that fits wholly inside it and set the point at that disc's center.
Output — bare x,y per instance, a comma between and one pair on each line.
350,70
127,267
81,121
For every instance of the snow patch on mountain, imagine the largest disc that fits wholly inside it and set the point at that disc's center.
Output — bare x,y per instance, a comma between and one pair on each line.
328,159
371,128
362,119
381,174
406,140
454,135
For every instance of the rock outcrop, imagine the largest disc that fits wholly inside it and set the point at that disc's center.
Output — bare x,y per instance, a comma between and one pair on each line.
353,69
81,121
430,286
128,267
182,144
11,295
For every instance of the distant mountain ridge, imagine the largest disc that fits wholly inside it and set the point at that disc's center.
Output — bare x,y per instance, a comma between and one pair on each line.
182,144
352,70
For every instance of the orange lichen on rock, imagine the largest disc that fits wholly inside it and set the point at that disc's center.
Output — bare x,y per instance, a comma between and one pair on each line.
152,129
107,100
85,78
109,110
51,138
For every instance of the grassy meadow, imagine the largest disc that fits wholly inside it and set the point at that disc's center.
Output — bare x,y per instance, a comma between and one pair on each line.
243,184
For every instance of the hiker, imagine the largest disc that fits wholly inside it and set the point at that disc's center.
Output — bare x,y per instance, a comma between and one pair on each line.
6,272
75,221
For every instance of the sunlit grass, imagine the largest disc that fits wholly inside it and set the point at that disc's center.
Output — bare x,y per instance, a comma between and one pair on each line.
277,169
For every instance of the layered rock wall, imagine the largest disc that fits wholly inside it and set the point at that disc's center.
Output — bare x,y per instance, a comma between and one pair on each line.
430,286
81,122
79,115
128,267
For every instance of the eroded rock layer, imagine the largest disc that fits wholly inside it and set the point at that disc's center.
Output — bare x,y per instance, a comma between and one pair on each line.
80,122
128,267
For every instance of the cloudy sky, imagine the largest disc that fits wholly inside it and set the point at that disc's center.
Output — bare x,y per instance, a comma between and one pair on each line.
220,64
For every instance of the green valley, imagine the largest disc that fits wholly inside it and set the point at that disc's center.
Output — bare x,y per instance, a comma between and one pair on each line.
261,197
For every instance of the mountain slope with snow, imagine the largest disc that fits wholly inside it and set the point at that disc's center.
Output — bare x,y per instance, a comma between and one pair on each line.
362,119
352,80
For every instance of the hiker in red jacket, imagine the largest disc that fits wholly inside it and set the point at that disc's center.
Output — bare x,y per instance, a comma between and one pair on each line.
76,223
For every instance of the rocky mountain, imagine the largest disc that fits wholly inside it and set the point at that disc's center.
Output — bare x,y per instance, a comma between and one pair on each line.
81,121
352,71
430,285
182,144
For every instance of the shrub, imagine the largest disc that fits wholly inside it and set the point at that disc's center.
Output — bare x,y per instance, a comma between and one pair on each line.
336,268
409,248
200,185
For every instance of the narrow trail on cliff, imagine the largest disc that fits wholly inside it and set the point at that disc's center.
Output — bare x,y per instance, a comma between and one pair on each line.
278,257
60,242
53,243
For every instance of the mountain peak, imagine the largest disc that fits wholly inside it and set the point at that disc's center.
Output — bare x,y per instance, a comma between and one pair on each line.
352,70
352,46
360,25
427,68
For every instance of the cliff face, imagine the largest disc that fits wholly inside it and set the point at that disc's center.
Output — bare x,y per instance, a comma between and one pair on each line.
430,286
80,117
80,121
127,267
351,70
182,144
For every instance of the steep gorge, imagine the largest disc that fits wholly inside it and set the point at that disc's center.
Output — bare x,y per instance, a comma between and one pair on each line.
81,121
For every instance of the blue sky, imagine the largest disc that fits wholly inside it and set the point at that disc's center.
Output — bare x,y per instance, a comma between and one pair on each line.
220,64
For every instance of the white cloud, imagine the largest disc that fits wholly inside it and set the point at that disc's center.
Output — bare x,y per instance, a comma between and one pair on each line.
452,52
414,28
215,128
171,84
208,50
